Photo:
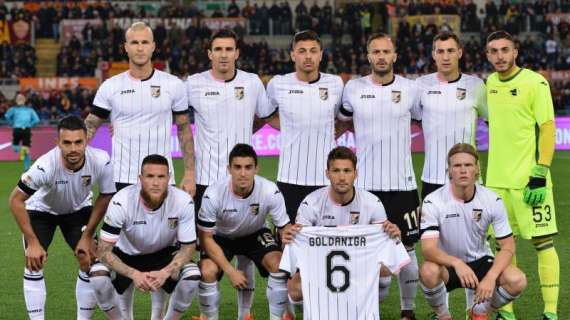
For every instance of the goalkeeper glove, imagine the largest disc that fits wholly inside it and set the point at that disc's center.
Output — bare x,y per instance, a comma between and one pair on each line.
535,191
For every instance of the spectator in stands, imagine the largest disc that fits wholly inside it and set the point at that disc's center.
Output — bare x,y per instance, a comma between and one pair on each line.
233,10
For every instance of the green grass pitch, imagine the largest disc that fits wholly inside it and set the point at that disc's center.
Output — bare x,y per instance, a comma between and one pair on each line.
61,268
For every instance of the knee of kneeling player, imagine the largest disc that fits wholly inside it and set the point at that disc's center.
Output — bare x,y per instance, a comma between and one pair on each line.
209,272
294,289
430,274
515,281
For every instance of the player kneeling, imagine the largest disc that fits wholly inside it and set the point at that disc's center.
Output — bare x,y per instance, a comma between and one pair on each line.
236,209
454,224
147,239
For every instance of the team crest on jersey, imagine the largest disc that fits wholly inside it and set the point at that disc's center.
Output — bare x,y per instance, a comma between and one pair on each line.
254,208
239,92
354,217
86,180
173,222
477,214
396,96
155,91
461,93
324,93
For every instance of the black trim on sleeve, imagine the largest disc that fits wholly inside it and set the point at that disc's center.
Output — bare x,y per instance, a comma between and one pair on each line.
29,191
345,112
107,194
504,237
283,226
100,112
271,115
287,272
185,243
110,229
206,224
433,228
185,111
150,76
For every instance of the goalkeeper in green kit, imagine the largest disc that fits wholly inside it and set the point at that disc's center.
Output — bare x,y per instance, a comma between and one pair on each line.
521,147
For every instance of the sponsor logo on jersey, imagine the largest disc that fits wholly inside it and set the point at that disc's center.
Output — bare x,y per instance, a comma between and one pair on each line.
477,214
212,93
434,92
354,217
324,93
61,182
86,180
155,91
254,208
239,92
229,210
173,222
295,91
328,217
396,96
461,93
452,215
41,169
514,92
137,222
117,203
493,91
367,96
127,91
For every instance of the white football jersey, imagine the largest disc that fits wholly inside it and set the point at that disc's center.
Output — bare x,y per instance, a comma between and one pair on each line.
233,217
138,230
141,115
307,112
339,269
462,226
224,113
449,116
57,190
318,209
382,126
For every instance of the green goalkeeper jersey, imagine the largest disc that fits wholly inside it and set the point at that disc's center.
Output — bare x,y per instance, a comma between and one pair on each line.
517,106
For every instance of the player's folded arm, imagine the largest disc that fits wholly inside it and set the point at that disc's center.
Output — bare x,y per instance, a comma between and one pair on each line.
100,112
25,189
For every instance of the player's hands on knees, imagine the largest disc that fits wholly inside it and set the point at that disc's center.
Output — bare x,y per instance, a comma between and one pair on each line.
188,184
141,281
485,290
392,230
86,252
289,231
36,256
466,275
238,279
157,278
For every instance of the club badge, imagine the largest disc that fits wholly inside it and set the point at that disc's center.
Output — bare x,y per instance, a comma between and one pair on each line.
155,91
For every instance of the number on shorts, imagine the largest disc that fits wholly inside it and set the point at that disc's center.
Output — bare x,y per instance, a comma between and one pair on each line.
537,215
266,239
338,268
411,219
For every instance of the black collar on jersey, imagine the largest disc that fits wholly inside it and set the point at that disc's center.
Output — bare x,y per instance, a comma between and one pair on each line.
148,78
456,80
473,197
389,82
250,191
513,76
351,199
316,80
232,78
82,165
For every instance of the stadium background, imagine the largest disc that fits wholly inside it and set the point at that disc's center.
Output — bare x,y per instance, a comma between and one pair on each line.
58,53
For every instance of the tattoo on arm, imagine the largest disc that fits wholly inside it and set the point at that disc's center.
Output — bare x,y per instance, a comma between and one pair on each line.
92,122
182,257
109,259
186,140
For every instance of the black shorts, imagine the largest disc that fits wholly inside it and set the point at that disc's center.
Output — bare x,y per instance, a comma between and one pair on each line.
22,135
402,210
145,262
293,195
71,225
254,246
428,188
480,267
200,190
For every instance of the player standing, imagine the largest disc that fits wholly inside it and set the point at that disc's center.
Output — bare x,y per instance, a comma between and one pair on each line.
381,107
451,102
520,101
455,220
308,102
22,118
225,101
147,240
57,192
232,221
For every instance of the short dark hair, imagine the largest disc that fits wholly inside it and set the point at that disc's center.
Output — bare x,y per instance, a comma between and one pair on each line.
154,159
306,35
341,153
243,150
224,33
71,123
379,35
500,34
462,148
446,35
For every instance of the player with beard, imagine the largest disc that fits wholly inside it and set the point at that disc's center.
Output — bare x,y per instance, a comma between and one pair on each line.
57,192
522,137
381,106
147,241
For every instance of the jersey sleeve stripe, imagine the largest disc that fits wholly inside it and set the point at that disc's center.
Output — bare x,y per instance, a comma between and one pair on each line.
110,229
27,190
185,111
100,112
106,194
504,237
187,242
206,224
271,114
345,112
